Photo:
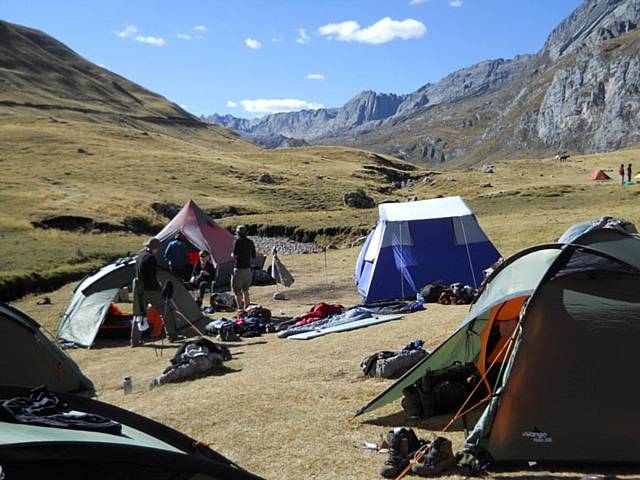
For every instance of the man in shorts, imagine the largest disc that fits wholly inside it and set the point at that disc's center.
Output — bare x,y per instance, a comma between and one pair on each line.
243,252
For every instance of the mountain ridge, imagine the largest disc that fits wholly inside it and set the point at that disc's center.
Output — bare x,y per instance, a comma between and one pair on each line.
576,93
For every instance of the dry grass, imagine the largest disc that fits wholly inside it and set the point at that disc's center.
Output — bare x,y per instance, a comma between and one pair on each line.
283,411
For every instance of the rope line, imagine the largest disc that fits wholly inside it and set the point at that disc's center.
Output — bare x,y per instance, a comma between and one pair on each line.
461,412
466,244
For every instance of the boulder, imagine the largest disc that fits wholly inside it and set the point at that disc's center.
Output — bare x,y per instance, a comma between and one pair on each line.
358,199
279,296
266,178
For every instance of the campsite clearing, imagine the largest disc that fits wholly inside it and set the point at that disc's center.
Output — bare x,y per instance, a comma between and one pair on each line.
283,412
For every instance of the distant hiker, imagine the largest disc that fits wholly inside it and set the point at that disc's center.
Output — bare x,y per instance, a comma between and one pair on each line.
146,274
629,173
177,257
621,173
243,252
203,275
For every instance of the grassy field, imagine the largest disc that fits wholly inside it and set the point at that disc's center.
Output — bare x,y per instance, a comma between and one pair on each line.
109,173
124,169
283,409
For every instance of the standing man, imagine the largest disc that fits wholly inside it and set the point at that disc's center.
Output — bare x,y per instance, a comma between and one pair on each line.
629,173
203,275
243,252
146,273
621,173
177,257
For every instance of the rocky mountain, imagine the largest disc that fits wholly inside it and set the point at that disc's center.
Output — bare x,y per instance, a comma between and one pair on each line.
370,109
579,92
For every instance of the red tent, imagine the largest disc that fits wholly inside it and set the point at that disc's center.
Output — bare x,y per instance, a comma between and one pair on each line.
599,175
201,231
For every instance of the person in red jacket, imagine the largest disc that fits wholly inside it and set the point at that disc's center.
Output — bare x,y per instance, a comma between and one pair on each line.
621,173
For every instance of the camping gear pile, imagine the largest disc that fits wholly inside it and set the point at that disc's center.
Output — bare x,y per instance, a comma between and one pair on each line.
318,312
193,360
408,453
540,307
388,364
45,409
418,243
383,311
252,322
441,391
454,294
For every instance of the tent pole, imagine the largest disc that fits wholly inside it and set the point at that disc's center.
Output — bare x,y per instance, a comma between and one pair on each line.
326,273
403,266
466,244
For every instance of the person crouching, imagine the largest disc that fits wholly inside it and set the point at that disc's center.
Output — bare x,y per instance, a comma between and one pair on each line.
203,276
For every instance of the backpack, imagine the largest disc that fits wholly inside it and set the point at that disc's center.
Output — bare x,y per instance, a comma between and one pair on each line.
443,390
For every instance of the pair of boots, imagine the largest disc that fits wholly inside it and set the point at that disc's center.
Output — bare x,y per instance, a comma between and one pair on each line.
432,457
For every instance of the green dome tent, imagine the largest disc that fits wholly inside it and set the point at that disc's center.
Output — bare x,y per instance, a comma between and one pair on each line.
29,358
144,450
94,294
565,389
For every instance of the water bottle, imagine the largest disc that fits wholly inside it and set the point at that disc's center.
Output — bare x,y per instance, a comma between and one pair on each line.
420,298
127,385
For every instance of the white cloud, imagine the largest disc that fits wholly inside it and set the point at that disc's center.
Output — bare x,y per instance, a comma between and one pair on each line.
455,3
252,43
183,36
155,41
277,40
200,28
383,31
275,105
303,36
315,76
231,104
127,31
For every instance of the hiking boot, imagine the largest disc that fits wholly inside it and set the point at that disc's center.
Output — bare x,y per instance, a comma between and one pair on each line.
411,402
402,443
438,457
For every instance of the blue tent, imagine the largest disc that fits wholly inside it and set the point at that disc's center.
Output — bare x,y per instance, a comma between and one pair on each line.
417,243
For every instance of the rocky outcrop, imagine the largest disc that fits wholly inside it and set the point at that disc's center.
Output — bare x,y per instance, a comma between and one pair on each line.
593,104
591,23
358,199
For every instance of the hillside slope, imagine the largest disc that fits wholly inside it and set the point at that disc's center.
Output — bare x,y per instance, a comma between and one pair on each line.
98,157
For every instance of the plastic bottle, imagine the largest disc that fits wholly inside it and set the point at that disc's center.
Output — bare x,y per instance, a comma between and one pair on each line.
127,385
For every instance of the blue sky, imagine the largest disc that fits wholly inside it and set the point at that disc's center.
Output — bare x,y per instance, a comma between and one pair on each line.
252,57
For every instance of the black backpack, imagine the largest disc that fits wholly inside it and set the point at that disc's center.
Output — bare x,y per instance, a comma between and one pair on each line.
443,390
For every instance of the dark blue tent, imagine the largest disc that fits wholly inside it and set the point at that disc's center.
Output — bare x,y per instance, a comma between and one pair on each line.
417,243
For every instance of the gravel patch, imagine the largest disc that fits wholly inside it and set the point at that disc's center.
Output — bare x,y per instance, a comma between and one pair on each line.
284,245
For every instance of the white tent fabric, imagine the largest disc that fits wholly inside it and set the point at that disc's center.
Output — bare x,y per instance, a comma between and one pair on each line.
424,209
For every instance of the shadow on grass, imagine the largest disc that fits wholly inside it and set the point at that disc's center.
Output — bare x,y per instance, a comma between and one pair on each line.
217,372
564,472
401,419
243,344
